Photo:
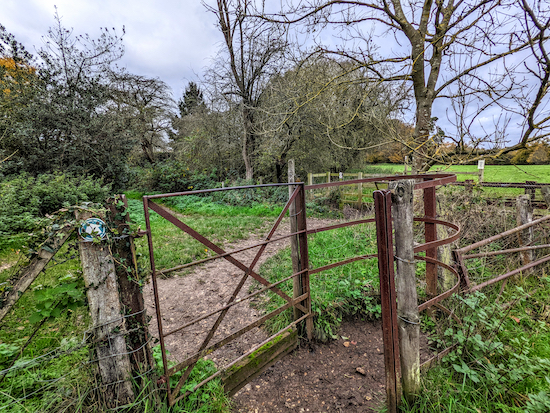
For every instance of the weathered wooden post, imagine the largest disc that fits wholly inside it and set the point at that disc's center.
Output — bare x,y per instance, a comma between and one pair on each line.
481,170
525,237
297,284
405,284
310,182
444,254
360,191
545,191
531,191
131,296
107,316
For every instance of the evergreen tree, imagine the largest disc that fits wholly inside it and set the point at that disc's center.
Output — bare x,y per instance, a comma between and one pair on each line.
192,100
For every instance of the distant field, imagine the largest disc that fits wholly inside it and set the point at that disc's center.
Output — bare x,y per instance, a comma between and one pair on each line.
505,173
493,173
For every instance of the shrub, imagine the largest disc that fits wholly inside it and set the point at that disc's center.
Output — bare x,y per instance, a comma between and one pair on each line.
25,200
172,176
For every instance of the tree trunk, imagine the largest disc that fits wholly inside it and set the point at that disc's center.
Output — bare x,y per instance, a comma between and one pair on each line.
110,343
248,143
422,131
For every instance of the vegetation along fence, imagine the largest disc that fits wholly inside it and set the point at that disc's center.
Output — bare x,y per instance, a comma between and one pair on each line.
107,350
116,333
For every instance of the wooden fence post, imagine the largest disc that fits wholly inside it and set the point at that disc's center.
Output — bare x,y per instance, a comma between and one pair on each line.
480,170
131,296
525,237
98,269
297,283
405,285
360,191
545,191
530,191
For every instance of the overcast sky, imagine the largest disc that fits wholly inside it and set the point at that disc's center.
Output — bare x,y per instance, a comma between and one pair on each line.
170,39
173,40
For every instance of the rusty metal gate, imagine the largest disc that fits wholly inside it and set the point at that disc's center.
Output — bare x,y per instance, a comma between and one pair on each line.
301,300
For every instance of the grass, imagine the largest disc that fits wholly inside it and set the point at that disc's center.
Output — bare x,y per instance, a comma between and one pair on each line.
492,173
64,331
174,247
336,293
502,363
66,383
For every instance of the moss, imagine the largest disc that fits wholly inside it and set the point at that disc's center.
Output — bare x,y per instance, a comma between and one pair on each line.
254,358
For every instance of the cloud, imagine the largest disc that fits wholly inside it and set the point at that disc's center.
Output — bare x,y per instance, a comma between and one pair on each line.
168,39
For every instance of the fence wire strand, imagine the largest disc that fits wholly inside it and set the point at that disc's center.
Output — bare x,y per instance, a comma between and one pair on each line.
87,341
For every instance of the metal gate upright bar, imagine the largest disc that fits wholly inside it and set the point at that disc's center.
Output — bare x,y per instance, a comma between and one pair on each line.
382,204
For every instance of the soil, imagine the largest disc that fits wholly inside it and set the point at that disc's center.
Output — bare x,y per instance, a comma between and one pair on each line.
344,375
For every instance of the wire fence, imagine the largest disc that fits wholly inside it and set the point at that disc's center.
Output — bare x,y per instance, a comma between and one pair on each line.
66,375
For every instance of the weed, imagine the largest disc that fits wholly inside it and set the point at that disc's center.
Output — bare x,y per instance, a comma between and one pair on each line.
502,362
209,398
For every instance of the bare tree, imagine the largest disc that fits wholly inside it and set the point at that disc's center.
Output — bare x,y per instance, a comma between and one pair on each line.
436,44
326,114
536,110
252,52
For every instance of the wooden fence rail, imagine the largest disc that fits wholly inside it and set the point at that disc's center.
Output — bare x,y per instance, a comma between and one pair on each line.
352,194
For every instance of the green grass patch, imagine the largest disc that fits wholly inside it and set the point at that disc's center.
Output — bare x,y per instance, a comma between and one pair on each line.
174,247
209,398
383,168
502,173
336,293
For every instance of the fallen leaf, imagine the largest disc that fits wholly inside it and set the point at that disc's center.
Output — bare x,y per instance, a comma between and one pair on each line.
368,397
517,320
346,343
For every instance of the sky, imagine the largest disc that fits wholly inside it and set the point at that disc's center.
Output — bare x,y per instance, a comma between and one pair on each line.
174,40
169,39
